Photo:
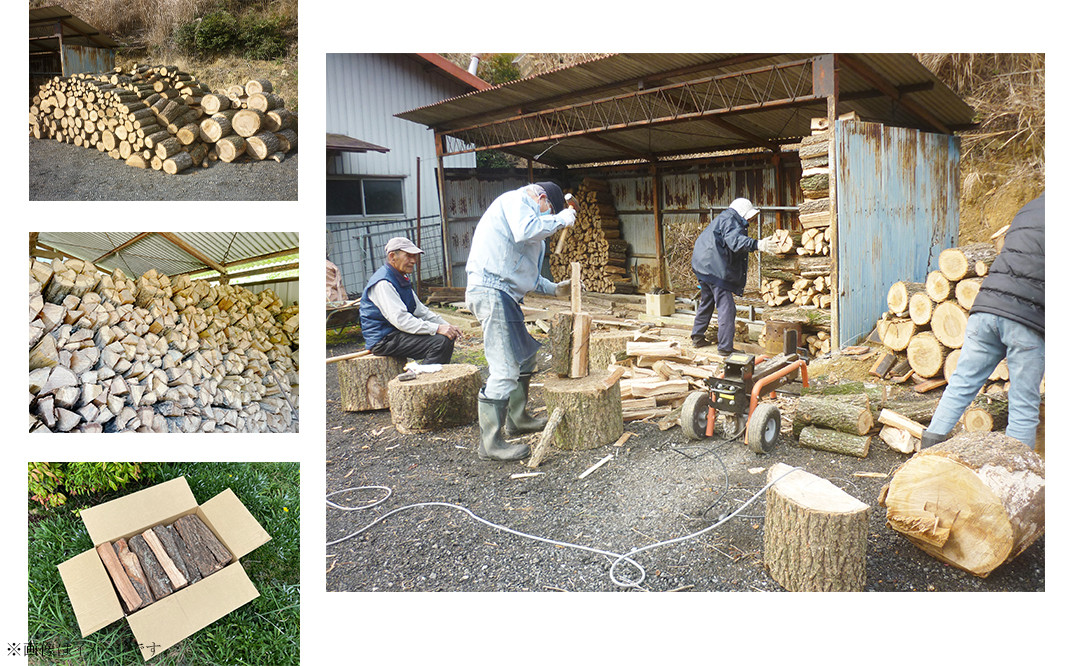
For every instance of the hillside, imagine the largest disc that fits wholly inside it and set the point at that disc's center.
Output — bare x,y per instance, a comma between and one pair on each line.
1003,161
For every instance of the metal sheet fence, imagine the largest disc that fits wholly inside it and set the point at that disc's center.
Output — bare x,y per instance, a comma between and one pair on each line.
356,247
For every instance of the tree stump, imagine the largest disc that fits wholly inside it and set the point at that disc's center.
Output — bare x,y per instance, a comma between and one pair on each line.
975,501
593,412
435,400
814,534
363,381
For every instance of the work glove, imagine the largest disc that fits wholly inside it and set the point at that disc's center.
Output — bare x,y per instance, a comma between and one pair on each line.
767,245
567,216
562,288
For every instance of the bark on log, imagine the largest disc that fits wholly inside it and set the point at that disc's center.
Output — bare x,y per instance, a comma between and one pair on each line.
561,340
975,501
987,413
814,534
230,147
134,571
949,323
363,381
260,146
155,576
206,551
132,601
824,439
288,140
593,413
926,354
957,263
834,413
181,553
435,400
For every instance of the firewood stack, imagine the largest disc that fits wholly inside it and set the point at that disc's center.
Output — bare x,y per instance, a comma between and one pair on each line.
110,354
927,320
151,116
595,240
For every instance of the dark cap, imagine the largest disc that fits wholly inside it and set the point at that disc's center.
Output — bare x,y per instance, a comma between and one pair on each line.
554,195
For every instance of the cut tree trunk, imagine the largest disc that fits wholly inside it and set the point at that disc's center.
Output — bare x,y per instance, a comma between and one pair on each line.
899,295
435,400
948,323
814,534
363,381
926,354
986,414
835,413
260,146
967,290
897,332
975,501
958,263
938,286
824,439
247,122
920,309
593,412
230,147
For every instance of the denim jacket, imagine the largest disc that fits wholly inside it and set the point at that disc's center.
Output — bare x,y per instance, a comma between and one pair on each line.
507,248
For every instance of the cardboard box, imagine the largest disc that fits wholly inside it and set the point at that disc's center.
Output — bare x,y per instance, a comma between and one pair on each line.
184,612
659,305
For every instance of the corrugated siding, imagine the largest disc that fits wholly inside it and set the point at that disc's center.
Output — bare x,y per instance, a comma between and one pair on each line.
81,59
364,91
468,196
897,209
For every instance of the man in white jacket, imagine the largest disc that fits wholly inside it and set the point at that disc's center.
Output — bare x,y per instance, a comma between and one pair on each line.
504,265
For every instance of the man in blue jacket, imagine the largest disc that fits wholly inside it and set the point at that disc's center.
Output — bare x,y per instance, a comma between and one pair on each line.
393,321
1008,320
504,265
720,261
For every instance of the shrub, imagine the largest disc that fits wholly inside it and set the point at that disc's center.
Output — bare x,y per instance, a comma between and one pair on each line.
48,481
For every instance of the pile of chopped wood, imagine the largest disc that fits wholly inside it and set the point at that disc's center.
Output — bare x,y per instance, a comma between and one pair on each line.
109,354
595,241
657,376
155,116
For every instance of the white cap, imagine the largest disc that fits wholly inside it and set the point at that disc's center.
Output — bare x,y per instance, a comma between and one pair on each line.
402,243
745,208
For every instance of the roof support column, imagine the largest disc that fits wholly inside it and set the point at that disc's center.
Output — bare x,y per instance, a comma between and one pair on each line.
440,148
660,259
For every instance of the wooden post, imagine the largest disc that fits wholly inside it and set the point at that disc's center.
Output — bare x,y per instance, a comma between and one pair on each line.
440,148
660,259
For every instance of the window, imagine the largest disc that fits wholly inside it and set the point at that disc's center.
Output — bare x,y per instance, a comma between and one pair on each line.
365,196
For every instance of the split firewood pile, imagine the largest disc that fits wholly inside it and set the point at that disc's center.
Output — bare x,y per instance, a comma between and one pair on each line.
595,241
925,323
160,117
657,376
109,353
163,559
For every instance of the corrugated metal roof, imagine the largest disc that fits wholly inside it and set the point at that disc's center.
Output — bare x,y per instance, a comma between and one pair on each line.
153,250
347,144
43,22
655,106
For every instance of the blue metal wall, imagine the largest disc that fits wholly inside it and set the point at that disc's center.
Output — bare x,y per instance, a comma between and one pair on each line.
898,196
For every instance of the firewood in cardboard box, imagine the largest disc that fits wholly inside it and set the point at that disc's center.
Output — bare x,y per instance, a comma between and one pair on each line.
209,554
132,601
134,571
155,576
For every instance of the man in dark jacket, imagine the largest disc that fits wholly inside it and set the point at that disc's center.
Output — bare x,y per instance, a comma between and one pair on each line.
1008,320
720,261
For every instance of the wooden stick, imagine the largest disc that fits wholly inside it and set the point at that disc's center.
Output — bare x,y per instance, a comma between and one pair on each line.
544,444
891,418
575,287
614,376
347,357
596,466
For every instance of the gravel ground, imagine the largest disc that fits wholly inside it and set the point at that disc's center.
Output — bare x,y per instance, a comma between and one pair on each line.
658,486
64,172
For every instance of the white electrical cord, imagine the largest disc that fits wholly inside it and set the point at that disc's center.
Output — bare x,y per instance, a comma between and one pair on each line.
618,558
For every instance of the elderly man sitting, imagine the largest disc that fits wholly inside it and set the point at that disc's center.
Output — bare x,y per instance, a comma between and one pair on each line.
393,321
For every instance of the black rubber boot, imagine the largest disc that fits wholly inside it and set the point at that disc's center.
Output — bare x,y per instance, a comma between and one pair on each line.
930,439
519,421
491,415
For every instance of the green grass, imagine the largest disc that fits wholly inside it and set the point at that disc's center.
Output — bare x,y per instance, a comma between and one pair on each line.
264,632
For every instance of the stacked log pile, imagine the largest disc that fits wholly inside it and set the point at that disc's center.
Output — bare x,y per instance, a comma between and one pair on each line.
163,559
926,321
595,241
154,116
109,353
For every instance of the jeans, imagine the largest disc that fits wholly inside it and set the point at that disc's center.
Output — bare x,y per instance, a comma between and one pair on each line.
712,297
988,339
508,347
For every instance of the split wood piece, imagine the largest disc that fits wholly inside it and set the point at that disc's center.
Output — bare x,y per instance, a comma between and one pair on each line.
593,414
208,554
957,263
835,413
615,375
169,540
938,286
783,241
132,601
926,354
155,576
986,414
814,534
347,357
899,440
175,575
134,571
976,500
883,365
582,327
891,418
824,439
929,385
899,295
230,147
920,308
897,333
363,381
949,323
435,400
967,290
544,445
561,339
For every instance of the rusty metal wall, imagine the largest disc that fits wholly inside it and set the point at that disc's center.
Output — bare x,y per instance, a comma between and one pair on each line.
79,59
898,196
